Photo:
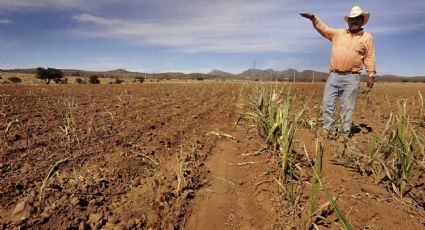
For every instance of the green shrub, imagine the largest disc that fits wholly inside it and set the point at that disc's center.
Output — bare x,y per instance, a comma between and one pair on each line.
61,80
79,81
94,79
118,81
140,79
15,79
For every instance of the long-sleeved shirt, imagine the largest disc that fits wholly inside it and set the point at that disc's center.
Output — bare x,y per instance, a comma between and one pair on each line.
349,50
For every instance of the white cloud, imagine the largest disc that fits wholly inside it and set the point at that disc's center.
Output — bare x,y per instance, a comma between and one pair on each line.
5,21
194,26
234,26
220,27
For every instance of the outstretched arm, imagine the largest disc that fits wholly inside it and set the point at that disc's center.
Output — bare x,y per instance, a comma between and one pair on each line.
323,29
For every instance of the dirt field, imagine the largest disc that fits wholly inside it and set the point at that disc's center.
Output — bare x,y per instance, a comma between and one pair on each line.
168,156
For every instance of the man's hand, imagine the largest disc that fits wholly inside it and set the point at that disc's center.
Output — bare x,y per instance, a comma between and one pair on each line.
307,15
370,81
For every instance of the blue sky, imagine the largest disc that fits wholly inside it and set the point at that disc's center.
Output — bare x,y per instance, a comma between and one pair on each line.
199,35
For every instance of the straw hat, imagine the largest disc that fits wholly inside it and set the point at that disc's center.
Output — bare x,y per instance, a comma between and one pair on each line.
357,11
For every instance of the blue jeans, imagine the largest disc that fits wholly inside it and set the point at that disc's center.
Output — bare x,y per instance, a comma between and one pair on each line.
345,88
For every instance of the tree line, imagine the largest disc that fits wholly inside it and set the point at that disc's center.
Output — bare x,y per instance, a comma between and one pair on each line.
57,76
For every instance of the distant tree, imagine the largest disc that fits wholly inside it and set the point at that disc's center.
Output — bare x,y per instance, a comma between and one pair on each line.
79,81
140,79
404,80
94,79
15,79
118,81
49,74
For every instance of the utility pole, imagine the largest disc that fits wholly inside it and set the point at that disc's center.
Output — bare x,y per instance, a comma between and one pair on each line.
294,76
313,77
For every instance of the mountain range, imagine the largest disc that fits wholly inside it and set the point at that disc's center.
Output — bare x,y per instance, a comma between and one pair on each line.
250,75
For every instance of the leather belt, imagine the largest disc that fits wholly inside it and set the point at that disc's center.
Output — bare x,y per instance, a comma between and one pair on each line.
344,72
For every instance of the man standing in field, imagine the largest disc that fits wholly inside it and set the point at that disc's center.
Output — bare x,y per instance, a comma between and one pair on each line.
351,49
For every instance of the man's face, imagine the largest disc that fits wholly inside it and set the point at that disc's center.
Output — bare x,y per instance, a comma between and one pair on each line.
355,23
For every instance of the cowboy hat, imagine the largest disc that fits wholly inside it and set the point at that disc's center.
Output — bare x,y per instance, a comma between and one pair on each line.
357,11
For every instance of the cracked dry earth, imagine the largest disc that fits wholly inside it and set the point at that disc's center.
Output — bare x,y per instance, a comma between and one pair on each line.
169,156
